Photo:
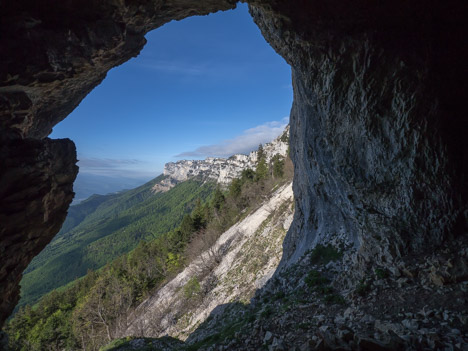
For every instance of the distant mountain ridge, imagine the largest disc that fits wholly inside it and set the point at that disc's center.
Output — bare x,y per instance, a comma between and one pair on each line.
220,170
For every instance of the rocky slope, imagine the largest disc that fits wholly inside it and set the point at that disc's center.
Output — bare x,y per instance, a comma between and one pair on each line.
308,307
420,304
220,170
231,270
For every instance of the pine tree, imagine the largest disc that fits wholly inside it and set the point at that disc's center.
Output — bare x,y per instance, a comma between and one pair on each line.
247,175
278,166
262,169
260,153
199,216
235,188
187,227
218,199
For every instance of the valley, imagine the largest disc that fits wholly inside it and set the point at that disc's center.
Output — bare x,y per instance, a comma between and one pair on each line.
104,227
126,248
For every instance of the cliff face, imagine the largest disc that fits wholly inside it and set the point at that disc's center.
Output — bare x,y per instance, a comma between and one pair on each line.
377,124
220,170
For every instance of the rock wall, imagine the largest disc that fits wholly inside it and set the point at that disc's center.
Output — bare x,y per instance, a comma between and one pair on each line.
377,125
221,170
36,187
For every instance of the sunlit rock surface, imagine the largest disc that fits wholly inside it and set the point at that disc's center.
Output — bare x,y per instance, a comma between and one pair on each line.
240,261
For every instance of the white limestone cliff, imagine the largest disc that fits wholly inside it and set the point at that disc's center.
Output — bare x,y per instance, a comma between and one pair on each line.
220,170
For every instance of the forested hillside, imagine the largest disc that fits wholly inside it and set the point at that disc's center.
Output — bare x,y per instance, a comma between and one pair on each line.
90,312
103,227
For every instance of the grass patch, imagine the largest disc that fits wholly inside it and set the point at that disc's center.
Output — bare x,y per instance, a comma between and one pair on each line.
267,312
323,254
381,273
362,288
279,295
315,279
304,326
320,285
335,299
116,344
192,288
227,332
124,344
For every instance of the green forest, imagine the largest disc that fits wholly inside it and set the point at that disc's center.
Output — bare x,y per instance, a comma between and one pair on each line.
104,227
87,313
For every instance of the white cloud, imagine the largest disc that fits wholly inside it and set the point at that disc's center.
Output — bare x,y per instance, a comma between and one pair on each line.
242,144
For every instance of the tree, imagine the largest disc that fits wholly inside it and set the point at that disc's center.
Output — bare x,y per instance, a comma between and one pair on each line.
187,227
278,166
247,175
199,216
262,170
218,199
235,189
260,152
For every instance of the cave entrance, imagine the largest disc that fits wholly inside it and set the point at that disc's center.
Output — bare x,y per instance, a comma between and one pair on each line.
203,87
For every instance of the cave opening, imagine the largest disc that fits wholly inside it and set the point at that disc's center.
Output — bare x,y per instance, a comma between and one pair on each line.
203,87
206,86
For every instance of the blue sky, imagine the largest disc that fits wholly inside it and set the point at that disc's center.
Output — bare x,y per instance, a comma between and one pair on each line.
203,86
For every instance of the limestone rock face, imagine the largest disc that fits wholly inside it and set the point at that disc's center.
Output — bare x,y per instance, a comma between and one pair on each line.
220,170
378,124
380,164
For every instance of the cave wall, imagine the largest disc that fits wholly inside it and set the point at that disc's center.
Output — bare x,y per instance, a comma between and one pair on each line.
36,187
377,123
